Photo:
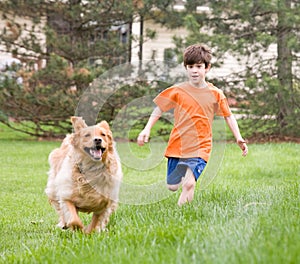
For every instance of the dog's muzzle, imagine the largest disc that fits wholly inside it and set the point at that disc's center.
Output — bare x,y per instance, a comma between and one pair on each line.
97,150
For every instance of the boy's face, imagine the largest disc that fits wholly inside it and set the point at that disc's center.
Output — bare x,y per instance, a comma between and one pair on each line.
196,73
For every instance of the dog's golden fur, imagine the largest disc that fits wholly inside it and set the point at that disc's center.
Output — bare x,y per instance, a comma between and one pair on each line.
85,175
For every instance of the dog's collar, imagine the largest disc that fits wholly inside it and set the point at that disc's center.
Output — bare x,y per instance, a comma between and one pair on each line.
80,169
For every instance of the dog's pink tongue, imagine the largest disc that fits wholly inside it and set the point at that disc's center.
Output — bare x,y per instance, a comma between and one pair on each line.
98,154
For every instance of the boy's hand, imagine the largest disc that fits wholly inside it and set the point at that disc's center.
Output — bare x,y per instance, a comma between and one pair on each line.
243,146
143,137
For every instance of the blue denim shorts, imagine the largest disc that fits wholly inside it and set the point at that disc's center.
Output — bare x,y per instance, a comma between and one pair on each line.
177,168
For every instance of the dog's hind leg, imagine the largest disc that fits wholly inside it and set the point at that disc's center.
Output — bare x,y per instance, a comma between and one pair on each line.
99,221
73,221
92,226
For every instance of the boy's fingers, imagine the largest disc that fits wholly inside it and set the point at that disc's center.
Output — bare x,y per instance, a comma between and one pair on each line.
242,144
142,139
140,142
244,149
241,141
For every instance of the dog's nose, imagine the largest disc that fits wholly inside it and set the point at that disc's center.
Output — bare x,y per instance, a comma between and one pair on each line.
97,141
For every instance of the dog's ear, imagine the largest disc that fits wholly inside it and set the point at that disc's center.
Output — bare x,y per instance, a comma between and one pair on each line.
104,124
78,123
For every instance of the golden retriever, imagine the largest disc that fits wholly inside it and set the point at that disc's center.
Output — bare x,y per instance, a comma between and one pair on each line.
85,176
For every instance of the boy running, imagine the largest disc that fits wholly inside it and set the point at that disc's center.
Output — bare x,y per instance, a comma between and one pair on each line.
195,103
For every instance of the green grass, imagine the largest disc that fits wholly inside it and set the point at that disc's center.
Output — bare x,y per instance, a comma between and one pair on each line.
249,214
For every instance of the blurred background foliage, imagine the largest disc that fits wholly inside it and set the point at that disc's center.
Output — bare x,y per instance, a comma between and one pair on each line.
69,44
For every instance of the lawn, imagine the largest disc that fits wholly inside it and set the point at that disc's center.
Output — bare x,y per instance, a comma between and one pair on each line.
248,213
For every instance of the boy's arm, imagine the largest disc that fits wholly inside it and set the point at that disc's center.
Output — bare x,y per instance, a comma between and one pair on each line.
233,125
145,133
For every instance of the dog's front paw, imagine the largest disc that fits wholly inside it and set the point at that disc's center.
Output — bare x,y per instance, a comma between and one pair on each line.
90,229
75,225
87,230
62,225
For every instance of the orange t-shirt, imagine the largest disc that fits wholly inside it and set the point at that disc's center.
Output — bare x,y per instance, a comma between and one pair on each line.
194,110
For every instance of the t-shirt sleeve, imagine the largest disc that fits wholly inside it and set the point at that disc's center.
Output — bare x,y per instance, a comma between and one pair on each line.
222,107
166,100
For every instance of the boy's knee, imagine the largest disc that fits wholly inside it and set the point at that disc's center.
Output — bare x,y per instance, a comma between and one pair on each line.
173,187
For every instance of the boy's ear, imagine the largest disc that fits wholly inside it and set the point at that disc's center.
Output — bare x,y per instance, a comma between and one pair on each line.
208,68
78,123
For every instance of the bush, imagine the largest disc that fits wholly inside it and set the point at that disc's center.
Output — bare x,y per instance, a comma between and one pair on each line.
42,104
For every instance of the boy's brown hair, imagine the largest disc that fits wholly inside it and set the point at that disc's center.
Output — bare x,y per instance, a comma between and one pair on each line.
197,53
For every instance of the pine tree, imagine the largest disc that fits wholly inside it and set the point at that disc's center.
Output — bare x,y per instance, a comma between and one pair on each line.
64,46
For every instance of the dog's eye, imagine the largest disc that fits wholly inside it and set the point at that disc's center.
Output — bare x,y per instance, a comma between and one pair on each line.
87,135
103,134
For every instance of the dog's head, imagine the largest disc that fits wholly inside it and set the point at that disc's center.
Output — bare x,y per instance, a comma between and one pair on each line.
95,141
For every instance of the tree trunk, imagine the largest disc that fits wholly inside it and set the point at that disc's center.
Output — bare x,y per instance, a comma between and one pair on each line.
284,63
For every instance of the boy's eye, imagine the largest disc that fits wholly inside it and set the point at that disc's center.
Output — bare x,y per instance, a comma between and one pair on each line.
199,66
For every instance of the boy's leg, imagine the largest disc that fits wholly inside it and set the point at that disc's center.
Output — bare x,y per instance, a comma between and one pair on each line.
174,174
173,187
188,187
